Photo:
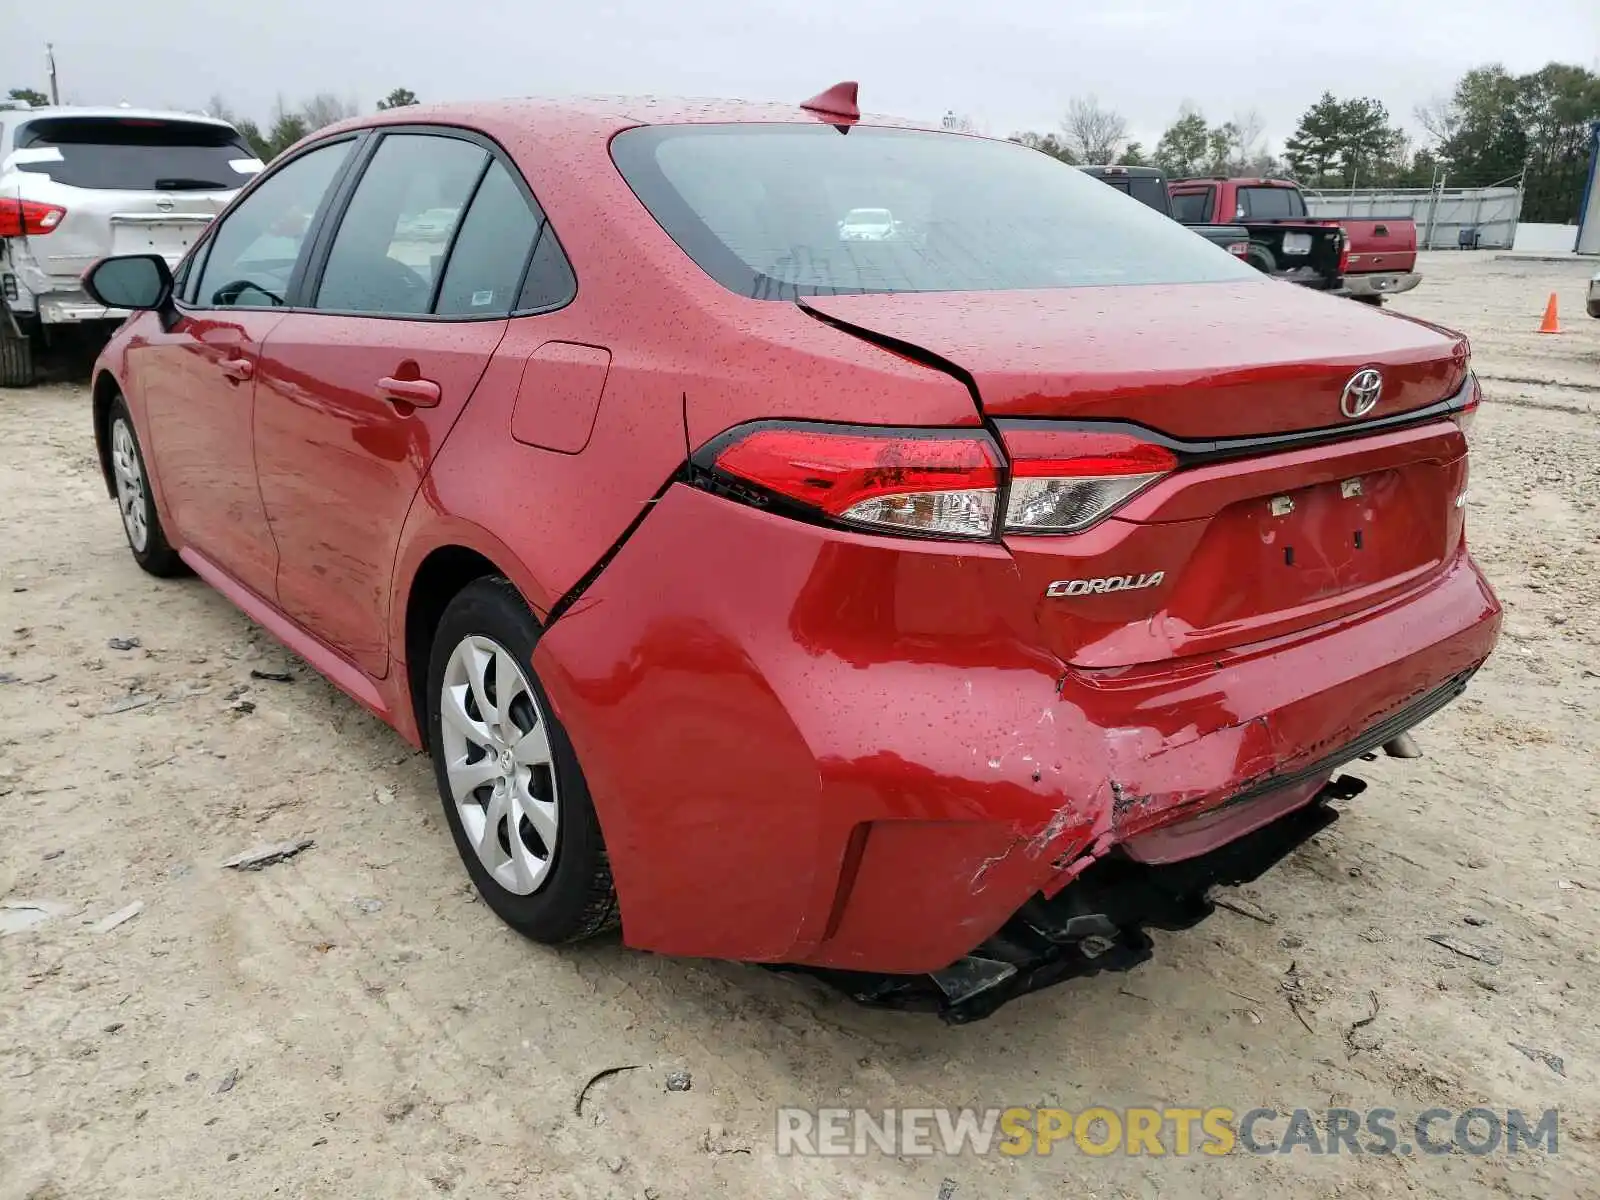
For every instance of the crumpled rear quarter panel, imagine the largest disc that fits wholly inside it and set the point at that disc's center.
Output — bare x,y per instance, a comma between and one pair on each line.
809,745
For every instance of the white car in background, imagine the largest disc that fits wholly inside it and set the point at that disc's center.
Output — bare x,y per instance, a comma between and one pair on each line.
868,225
80,184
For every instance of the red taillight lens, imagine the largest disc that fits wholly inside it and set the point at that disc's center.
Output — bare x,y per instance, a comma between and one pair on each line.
1344,251
1239,249
942,483
28,218
939,483
1468,412
1063,481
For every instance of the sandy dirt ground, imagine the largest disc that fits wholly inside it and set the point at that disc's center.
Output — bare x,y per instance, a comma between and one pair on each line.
352,1024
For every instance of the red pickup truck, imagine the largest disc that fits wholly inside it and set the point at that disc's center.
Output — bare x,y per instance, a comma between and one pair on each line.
1381,251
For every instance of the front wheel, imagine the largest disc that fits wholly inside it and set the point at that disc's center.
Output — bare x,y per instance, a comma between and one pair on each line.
140,521
513,792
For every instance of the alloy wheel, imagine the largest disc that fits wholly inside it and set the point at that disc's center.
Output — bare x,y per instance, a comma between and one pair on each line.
129,479
499,763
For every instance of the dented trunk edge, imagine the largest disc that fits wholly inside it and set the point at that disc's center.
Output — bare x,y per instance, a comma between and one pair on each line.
863,760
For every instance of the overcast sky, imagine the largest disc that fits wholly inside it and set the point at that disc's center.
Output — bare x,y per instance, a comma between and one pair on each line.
1010,65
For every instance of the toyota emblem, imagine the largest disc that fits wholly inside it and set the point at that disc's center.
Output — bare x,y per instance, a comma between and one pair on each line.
1362,393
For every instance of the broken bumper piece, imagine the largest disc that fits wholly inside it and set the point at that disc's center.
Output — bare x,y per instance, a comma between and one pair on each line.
1097,924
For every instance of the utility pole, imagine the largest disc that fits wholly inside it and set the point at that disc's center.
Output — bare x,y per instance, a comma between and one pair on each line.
50,57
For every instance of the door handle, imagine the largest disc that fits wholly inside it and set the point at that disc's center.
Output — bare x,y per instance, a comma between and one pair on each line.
238,368
420,393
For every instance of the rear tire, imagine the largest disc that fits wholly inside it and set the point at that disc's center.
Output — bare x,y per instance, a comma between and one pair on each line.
513,793
1375,301
1261,259
16,361
141,524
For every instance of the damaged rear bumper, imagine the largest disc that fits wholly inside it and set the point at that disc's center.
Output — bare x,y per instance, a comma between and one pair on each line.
1098,924
808,746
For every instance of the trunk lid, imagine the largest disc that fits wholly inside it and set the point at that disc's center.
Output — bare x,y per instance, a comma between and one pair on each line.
1239,544
1192,360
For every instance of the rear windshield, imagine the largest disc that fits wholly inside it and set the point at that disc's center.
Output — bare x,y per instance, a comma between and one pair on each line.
135,154
1191,207
1150,191
1270,203
766,211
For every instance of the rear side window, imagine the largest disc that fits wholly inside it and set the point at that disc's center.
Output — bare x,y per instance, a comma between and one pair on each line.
766,210
487,261
136,154
397,229
550,281
1192,208
1270,203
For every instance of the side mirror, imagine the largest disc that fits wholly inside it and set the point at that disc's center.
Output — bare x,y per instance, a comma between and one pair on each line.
134,281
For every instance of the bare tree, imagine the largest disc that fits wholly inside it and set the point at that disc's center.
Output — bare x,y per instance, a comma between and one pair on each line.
1248,129
1095,135
1045,143
324,109
1440,118
218,107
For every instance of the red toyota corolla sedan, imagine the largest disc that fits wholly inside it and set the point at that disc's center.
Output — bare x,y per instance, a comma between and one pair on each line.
806,539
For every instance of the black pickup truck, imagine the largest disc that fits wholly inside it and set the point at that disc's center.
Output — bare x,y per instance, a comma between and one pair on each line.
1304,252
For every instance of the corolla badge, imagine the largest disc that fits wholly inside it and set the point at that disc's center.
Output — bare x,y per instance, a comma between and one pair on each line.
1362,393
1110,583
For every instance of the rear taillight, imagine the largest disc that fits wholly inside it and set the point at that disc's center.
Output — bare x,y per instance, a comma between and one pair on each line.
1239,249
1468,412
937,483
1064,480
1344,251
28,218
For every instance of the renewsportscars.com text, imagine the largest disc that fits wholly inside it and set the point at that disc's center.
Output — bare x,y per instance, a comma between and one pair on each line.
1214,1131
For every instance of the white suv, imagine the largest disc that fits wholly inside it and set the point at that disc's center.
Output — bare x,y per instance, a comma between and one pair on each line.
79,184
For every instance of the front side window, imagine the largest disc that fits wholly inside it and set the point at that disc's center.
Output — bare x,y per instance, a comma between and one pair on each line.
393,238
253,252
136,154
779,211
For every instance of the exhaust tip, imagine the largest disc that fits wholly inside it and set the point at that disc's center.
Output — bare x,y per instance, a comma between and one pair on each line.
1403,746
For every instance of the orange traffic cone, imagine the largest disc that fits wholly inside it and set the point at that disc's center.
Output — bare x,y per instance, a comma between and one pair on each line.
1552,321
